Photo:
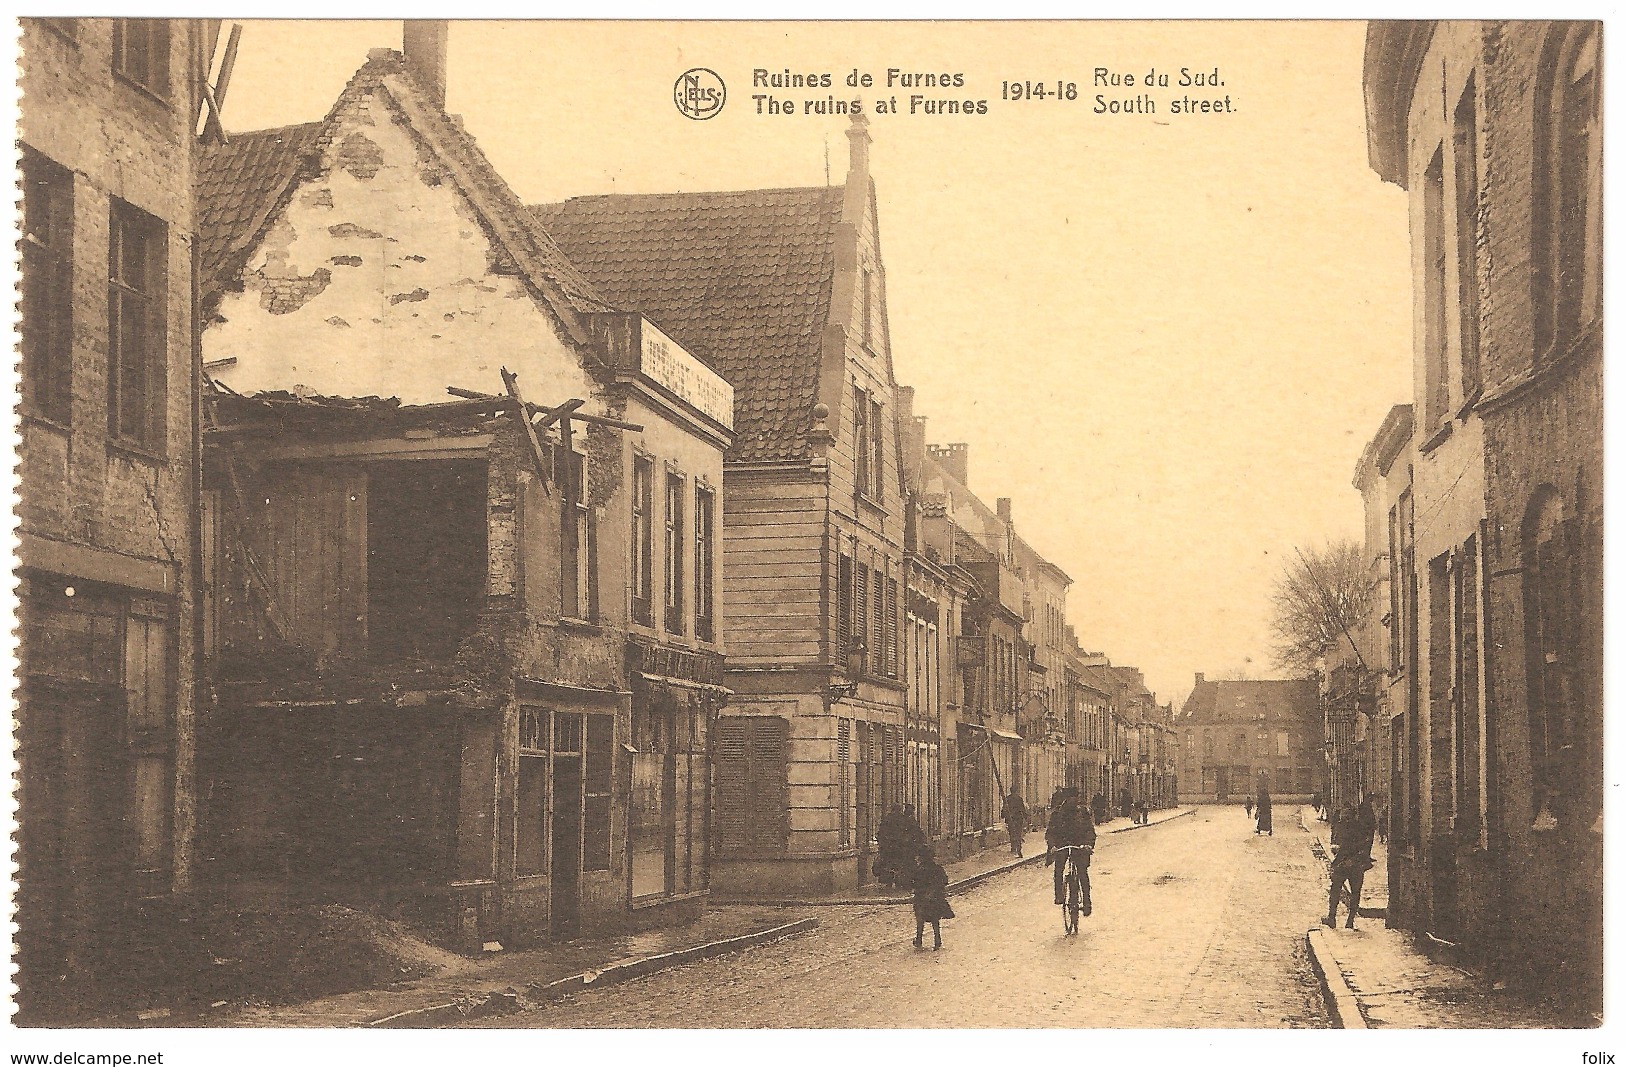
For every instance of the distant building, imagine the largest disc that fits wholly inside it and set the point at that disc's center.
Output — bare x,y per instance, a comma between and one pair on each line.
1495,131
1232,732
107,468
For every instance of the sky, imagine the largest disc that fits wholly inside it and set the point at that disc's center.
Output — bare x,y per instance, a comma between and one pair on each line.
1166,337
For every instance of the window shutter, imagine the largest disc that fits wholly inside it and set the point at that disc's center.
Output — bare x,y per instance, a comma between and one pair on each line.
843,758
752,794
843,609
891,627
877,638
860,600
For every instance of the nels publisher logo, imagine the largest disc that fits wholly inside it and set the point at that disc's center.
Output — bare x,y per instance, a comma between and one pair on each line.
699,93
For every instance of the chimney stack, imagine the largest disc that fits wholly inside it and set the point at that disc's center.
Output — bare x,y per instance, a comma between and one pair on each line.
423,41
1200,677
857,171
1002,505
954,459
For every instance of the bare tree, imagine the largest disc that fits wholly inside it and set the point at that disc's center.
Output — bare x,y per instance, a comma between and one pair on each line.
1320,601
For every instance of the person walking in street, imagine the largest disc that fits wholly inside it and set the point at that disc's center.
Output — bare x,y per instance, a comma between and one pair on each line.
1145,813
1069,825
1247,806
1382,823
1266,816
930,898
1125,803
1097,808
1351,857
1015,819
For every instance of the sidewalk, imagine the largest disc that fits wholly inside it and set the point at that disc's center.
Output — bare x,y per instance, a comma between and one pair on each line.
509,982
1377,978
962,874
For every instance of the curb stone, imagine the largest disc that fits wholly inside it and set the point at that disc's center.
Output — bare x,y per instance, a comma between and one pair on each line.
1149,825
507,1001
1341,1003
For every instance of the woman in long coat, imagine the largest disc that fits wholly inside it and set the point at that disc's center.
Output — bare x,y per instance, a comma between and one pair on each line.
930,898
1266,821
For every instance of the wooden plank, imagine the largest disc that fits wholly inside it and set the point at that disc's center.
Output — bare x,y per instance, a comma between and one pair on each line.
543,468
772,566
783,600
551,415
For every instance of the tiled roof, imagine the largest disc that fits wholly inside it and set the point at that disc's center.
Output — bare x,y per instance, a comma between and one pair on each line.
241,184
1247,701
740,279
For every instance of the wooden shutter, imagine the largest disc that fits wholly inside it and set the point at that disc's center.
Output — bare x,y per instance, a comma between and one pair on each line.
843,609
843,759
752,794
860,600
891,627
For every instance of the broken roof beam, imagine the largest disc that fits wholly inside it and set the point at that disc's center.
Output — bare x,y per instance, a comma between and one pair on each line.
537,409
543,468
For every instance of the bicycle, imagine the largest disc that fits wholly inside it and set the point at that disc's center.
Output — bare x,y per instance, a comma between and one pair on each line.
1077,885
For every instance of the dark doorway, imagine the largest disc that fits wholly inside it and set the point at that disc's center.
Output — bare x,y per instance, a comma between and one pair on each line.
1221,783
567,799
426,557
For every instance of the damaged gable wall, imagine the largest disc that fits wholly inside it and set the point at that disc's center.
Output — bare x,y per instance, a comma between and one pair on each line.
379,278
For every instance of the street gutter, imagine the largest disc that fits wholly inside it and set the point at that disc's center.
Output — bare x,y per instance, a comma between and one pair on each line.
508,1001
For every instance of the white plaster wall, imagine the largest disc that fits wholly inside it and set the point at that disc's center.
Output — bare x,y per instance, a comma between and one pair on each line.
422,310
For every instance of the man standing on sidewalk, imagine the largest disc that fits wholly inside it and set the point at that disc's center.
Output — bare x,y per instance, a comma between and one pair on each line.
1351,858
1015,819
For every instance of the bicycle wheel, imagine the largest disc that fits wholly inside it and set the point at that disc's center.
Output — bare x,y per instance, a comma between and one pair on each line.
1069,913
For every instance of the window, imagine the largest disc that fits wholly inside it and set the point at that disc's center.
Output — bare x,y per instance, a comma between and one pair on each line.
670,795
1437,395
1568,174
1396,646
1283,743
135,308
676,544
141,53
1465,149
1549,595
47,305
862,447
891,628
1467,728
877,453
868,282
752,792
578,539
643,540
860,616
843,610
705,567
530,856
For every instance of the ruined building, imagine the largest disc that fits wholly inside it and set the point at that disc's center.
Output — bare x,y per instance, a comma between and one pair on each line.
466,648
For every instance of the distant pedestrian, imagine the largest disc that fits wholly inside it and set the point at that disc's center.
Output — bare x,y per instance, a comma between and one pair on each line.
1351,858
1145,813
1097,808
1316,803
930,898
1015,819
1382,824
897,843
1125,803
1266,820
1247,806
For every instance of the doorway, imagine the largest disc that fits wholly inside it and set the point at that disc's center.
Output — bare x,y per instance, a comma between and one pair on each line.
565,907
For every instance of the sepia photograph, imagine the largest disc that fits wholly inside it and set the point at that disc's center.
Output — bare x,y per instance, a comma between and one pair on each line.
804,525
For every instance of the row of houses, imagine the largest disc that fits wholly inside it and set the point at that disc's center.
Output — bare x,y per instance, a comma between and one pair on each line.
523,569
1473,708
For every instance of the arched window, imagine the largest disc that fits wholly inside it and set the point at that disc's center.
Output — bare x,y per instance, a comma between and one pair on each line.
1549,595
1567,234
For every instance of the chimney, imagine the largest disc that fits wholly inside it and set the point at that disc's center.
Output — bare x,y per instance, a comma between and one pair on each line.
857,171
1002,505
423,41
1200,677
955,459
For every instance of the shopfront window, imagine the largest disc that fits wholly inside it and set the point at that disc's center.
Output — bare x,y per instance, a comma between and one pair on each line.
670,799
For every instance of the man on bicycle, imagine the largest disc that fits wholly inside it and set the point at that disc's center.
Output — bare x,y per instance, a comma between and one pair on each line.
1070,825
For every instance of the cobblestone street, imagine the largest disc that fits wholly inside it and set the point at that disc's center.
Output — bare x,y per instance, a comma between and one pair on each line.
1196,924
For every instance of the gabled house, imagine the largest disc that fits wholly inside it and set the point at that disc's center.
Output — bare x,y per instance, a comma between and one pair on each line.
782,292
466,652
